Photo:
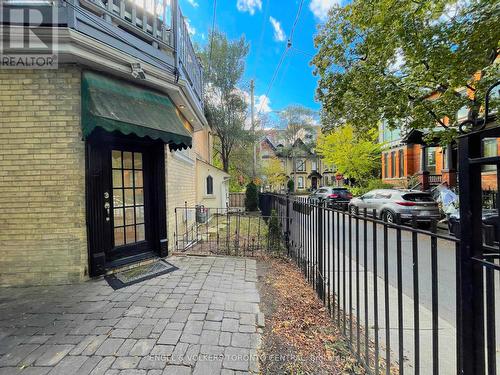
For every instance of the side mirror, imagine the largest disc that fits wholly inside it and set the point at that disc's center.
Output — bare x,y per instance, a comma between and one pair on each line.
362,197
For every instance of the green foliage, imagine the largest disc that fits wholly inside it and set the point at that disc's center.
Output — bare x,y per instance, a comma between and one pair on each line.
274,174
225,104
374,183
251,197
353,156
290,185
383,58
274,233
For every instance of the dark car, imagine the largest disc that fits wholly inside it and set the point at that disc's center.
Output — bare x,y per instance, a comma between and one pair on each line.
336,197
491,225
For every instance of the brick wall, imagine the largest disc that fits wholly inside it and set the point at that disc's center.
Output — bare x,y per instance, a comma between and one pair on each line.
42,178
181,187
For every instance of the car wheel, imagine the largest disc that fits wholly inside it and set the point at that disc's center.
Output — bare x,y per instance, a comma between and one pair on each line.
389,217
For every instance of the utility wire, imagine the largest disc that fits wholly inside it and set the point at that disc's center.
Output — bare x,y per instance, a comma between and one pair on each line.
303,52
283,55
261,38
297,16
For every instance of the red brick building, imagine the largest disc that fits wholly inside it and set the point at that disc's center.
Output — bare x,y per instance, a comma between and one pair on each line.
412,162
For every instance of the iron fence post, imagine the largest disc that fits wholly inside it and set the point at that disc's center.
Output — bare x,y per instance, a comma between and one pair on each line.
319,248
470,309
287,223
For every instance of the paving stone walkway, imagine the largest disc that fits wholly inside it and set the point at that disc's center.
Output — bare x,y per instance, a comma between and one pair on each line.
201,319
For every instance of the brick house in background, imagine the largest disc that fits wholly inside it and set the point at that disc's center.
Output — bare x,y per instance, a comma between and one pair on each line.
409,160
412,160
96,154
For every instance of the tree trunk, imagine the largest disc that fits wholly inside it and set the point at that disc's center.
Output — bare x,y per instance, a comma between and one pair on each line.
225,162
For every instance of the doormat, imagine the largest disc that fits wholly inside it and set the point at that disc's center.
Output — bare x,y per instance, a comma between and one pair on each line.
138,274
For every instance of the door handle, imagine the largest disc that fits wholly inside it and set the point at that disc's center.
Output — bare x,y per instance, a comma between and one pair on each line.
107,206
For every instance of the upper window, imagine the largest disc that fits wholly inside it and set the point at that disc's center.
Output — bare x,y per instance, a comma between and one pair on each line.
401,163
388,134
393,164
210,185
490,149
314,165
300,165
462,113
386,165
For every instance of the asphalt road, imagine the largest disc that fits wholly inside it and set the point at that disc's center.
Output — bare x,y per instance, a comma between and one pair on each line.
343,274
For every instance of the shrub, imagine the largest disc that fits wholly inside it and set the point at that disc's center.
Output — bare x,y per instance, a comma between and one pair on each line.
290,185
371,184
274,233
251,197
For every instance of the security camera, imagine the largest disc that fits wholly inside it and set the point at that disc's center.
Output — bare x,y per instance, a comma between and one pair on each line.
137,71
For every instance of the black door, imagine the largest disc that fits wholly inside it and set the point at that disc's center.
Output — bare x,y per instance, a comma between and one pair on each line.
125,199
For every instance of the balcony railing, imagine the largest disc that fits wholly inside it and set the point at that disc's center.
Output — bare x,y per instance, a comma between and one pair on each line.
435,179
161,24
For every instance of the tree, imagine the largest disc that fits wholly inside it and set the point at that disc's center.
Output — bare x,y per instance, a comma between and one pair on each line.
384,59
354,156
251,197
225,104
274,173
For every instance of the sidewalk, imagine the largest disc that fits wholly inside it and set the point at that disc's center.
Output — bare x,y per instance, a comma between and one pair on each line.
201,319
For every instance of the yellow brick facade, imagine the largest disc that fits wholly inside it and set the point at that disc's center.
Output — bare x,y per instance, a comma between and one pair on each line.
180,179
42,178
43,234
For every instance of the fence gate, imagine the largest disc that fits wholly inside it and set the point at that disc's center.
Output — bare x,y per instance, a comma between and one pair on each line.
226,231
479,266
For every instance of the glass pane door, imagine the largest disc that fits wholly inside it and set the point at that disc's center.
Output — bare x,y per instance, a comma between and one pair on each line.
128,197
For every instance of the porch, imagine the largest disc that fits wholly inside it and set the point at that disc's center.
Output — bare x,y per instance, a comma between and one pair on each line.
202,318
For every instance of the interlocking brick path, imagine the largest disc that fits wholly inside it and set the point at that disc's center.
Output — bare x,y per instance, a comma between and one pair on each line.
201,319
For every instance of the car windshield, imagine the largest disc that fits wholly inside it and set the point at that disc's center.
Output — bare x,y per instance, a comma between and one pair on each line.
418,197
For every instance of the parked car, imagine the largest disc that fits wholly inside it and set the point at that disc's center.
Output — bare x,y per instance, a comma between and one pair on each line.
491,224
390,202
335,197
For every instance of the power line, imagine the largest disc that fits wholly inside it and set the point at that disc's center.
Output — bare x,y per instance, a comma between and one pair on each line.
295,22
261,38
303,52
283,55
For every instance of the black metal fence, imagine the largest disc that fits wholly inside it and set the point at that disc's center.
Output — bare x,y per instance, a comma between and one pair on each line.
393,290
226,231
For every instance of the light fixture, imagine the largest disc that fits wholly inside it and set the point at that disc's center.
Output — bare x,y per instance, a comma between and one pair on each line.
137,71
182,106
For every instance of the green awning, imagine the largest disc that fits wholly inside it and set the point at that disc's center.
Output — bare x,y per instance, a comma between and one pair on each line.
115,105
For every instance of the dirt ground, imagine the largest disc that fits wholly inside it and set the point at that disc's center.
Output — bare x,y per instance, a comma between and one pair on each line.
299,337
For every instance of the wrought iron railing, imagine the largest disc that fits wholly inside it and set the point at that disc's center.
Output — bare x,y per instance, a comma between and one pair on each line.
435,179
226,231
395,291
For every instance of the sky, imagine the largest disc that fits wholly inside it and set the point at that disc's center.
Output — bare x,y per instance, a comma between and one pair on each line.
266,25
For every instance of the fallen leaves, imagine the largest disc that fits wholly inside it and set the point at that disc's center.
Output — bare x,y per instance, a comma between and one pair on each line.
298,323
